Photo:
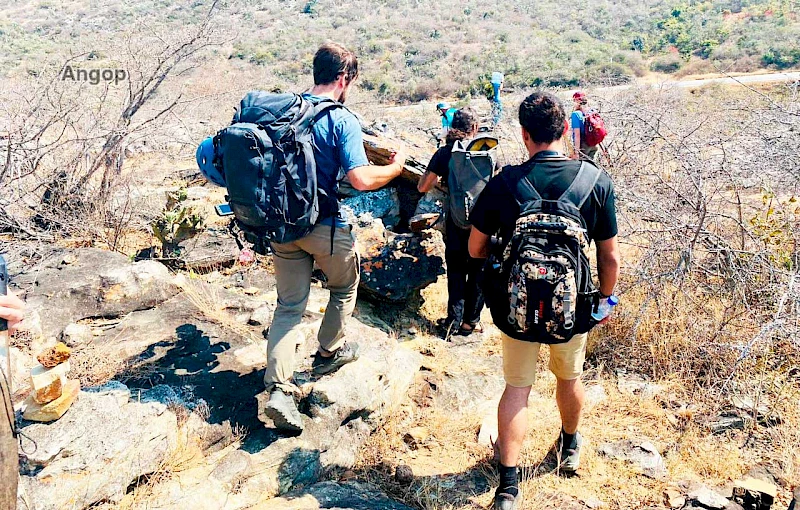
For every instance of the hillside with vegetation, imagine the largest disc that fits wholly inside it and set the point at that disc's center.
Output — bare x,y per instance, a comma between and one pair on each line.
420,50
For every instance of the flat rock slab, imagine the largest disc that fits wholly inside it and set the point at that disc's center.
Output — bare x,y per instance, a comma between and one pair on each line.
94,452
642,454
332,495
77,284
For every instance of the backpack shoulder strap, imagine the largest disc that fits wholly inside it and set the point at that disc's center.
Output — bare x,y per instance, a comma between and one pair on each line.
582,186
523,190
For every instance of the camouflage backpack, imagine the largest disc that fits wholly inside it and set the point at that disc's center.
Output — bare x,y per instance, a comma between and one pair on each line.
542,281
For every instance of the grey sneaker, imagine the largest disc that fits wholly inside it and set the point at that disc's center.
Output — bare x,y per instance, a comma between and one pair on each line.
282,410
345,354
506,501
569,456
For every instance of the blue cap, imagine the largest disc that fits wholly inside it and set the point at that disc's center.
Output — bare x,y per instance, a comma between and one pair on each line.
442,106
205,161
613,300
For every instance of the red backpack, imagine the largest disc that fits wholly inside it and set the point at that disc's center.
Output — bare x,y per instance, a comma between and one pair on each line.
594,129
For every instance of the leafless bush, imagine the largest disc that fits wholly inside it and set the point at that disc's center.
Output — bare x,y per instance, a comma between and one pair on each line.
66,142
706,184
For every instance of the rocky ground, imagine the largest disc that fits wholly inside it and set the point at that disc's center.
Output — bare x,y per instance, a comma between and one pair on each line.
169,414
170,355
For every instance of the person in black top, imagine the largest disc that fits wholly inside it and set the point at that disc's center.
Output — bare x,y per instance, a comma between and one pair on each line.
465,299
544,126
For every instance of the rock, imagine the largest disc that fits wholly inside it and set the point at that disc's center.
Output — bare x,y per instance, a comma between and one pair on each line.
595,394
233,466
47,383
75,335
383,204
674,498
333,495
416,436
795,504
251,291
760,407
54,410
754,493
640,453
593,503
112,388
95,452
727,422
213,248
21,365
261,316
345,407
636,384
403,474
99,284
434,202
393,266
708,498
55,355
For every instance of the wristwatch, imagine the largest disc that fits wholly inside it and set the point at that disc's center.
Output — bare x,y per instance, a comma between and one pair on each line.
603,296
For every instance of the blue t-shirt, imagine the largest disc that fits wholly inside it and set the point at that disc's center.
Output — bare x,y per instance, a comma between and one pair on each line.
576,121
447,118
338,148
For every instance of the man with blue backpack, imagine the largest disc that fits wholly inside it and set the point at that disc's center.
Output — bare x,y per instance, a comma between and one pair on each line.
538,281
281,160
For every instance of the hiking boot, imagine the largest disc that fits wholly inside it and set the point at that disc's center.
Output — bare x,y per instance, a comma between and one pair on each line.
282,410
569,455
506,501
345,354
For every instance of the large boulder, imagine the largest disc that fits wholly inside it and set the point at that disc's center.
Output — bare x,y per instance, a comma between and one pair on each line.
343,408
394,266
95,451
213,248
383,204
83,283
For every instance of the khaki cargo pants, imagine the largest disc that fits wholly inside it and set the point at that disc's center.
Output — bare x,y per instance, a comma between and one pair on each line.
293,265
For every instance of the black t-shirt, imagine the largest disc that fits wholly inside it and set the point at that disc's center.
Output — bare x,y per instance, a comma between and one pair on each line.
497,210
440,162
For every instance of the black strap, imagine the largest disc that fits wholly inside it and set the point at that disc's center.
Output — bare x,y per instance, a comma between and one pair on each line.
523,190
582,186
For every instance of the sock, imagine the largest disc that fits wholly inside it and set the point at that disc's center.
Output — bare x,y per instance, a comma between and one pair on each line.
568,439
508,480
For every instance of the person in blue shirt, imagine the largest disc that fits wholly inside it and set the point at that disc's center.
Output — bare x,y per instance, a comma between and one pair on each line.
577,123
338,150
447,118
497,104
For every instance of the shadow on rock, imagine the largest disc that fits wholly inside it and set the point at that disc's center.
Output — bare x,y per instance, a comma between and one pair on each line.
190,371
460,490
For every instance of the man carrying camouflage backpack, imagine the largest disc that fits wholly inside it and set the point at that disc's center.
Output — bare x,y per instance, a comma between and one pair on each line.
538,284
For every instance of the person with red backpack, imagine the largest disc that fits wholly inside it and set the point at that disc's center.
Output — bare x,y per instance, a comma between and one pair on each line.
588,128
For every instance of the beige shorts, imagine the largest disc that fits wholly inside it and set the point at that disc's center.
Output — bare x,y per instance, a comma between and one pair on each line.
520,359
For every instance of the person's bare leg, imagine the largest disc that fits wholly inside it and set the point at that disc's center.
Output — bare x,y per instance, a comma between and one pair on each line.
512,423
569,397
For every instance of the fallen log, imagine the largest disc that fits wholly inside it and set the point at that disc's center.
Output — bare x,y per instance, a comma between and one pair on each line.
379,151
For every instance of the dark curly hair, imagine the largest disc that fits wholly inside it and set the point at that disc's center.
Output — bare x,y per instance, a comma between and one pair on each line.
465,122
543,117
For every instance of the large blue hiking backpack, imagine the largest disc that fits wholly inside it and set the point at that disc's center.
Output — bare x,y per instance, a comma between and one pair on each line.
266,158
